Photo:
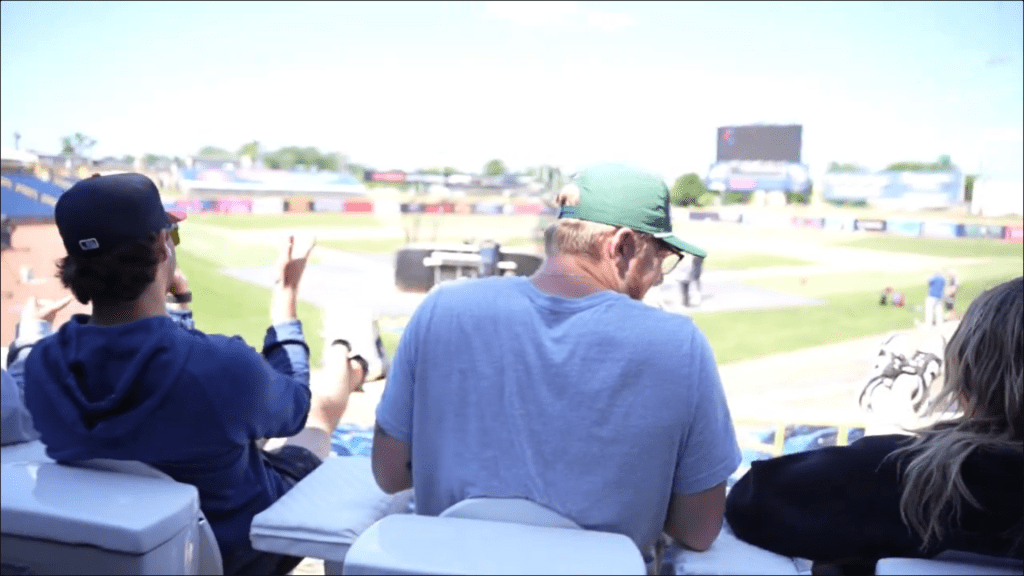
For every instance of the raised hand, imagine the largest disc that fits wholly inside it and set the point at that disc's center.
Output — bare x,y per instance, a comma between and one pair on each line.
45,310
290,267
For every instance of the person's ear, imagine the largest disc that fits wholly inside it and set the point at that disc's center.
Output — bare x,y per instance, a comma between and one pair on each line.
166,245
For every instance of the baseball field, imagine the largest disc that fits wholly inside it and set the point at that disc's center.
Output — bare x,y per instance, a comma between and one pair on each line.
792,313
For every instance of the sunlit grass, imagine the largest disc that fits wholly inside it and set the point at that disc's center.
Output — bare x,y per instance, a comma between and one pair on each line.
945,247
734,261
736,336
224,305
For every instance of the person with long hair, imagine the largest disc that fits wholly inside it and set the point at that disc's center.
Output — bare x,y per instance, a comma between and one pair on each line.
952,485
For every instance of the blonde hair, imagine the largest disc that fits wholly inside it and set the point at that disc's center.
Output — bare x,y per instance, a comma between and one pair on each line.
573,236
984,371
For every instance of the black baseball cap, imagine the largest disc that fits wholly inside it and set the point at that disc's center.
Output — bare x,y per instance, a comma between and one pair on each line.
101,213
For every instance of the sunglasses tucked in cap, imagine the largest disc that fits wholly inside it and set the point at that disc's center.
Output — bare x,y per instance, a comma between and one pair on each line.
101,213
622,196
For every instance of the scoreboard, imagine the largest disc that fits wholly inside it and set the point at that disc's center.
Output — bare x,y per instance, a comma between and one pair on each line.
768,143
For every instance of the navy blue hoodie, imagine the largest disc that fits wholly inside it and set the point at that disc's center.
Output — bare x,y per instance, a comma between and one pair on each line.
188,403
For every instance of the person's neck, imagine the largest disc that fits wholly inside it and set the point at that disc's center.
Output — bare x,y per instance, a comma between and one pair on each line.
149,304
568,278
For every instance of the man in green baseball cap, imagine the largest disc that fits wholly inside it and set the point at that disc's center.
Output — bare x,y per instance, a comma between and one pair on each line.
565,389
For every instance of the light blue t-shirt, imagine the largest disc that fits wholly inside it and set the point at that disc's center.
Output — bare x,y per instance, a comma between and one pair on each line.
598,408
936,285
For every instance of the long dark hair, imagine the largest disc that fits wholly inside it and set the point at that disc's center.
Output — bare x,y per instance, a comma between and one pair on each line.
984,375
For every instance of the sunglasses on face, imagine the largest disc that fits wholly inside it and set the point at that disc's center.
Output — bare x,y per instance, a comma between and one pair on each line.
173,229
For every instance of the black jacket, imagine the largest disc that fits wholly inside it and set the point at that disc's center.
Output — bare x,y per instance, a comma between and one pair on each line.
841,504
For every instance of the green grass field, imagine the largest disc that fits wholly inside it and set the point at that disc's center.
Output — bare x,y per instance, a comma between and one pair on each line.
229,306
732,261
946,247
736,336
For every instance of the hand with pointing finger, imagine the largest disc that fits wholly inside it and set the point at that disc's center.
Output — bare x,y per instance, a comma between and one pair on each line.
290,267
44,310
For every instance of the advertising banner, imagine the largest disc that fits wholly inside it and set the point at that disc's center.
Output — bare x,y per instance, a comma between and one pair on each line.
984,231
463,208
942,229
530,209
869,225
801,222
704,216
234,205
1015,234
412,208
487,208
840,224
187,205
903,227
267,206
392,177
298,205
328,205
358,206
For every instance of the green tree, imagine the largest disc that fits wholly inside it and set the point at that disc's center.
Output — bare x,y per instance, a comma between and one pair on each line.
943,164
836,167
128,159
214,152
969,186
688,189
495,168
250,149
78,145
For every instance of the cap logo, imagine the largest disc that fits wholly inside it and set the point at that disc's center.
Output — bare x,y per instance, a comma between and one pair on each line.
89,244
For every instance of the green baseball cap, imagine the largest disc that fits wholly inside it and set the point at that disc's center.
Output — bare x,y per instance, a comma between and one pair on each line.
622,196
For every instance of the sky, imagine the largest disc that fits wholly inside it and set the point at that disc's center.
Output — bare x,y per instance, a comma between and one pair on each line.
396,85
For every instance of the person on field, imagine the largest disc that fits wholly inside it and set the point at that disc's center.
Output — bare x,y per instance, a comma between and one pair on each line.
563,388
131,382
949,299
953,485
933,301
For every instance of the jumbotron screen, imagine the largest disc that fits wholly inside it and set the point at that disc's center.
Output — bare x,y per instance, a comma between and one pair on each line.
766,143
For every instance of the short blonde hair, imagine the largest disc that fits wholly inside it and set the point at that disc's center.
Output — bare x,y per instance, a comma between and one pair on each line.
573,236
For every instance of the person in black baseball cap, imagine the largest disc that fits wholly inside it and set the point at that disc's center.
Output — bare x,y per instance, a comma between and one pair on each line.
101,213
116,231
135,381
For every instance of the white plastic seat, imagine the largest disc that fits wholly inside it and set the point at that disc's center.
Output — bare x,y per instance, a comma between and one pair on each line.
209,558
49,509
490,536
58,519
322,515
515,510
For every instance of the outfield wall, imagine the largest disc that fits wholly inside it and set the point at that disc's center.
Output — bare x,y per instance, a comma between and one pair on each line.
907,227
